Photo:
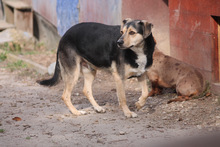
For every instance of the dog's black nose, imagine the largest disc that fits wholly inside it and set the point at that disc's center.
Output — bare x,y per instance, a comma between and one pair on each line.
120,42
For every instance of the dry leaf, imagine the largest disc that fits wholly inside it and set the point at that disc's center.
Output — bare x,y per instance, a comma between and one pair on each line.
16,118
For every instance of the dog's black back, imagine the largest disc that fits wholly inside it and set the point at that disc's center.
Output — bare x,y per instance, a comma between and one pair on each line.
94,42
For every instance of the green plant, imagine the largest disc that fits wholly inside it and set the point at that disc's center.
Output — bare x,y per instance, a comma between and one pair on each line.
39,45
28,138
3,57
16,47
6,46
11,47
16,65
2,130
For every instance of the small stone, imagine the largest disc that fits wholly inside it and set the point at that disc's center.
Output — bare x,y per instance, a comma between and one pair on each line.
51,68
199,126
122,133
148,126
194,104
13,105
100,140
180,119
165,118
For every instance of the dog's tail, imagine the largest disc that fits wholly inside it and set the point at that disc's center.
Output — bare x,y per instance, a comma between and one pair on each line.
206,91
56,77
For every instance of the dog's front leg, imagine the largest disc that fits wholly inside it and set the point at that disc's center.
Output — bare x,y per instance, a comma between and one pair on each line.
142,100
121,95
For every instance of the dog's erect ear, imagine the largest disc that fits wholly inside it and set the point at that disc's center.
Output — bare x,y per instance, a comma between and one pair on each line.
125,21
147,28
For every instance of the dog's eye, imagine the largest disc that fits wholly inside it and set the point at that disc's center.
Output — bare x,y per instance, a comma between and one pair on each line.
121,32
131,33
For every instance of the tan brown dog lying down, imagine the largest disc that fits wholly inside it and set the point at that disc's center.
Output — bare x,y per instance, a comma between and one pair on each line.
169,72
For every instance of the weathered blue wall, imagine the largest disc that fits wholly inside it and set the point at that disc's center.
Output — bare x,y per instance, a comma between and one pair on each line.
67,15
61,13
103,11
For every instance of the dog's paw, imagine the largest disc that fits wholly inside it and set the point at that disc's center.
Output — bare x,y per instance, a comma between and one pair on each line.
131,115
99,109
138,105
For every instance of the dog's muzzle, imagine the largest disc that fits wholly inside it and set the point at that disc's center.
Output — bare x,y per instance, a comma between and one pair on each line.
120,42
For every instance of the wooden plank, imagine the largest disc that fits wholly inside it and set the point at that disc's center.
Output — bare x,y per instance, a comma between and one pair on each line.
24,20
20,14
17,4
4,25
9,13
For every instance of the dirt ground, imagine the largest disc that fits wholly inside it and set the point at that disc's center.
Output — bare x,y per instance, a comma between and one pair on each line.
33,115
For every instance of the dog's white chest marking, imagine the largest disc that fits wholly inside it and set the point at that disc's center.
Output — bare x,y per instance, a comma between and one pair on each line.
141,61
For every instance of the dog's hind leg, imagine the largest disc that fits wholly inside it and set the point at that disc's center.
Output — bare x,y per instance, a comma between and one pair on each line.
89,75
70,77
142,100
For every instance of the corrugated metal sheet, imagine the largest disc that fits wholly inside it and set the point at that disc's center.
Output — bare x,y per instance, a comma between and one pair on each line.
67,15
47,9
103,11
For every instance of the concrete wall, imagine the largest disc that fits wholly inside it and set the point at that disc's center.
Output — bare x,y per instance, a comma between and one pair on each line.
47,9
45,32
1,10
45,22
193,34
154,11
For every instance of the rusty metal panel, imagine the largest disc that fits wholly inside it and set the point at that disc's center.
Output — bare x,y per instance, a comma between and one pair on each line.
47,9
103,11
194,34
154,11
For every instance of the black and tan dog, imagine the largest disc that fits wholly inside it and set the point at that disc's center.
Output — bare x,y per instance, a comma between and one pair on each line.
88,47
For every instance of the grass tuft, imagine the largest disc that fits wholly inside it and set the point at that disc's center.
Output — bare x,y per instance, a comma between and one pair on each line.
3,57
16,65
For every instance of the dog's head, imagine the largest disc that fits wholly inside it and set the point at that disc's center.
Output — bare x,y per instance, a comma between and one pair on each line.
133,33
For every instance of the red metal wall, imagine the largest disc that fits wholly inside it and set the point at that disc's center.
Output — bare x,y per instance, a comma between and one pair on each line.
193,34
156,12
